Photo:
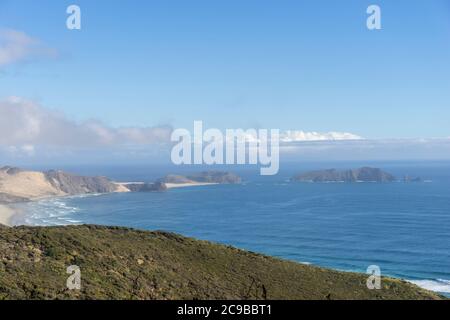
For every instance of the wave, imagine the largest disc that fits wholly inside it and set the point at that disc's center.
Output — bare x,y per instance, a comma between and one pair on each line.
438,285
52,211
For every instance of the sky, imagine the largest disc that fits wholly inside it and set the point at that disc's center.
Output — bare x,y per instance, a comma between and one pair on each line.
137,68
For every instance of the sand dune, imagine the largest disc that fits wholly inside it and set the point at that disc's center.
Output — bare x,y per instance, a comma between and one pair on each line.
6,214
27,184
33,185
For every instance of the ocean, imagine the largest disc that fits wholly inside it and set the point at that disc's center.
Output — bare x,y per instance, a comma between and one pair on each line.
404,228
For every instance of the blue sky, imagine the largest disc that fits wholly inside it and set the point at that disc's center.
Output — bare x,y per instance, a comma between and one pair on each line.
306,65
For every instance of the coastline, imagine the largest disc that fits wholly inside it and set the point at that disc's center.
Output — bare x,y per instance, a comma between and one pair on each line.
11,214
6,214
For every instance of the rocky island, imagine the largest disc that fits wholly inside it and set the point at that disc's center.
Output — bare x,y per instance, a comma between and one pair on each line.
364,174
205,177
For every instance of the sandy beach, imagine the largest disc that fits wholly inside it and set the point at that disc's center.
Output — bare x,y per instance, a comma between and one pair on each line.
6,214
169,185
188,184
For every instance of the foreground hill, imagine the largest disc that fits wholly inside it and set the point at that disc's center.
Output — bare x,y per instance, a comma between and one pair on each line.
120,263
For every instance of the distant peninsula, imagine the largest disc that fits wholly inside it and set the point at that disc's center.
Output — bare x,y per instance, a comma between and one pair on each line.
177,181
217,177
364,174
20,185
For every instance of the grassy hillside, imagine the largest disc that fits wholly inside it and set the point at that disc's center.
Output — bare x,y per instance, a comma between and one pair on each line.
120,263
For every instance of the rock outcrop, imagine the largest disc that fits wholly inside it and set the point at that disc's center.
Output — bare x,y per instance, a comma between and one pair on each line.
146,187
408,179
73,184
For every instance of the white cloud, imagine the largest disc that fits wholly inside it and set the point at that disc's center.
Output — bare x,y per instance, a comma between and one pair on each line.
16,46
296,136
25,150
26,124
379,149
30,131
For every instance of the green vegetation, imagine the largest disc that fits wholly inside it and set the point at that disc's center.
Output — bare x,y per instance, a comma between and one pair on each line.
120,263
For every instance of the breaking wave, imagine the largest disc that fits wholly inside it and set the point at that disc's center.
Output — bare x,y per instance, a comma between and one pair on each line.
438,285
50,212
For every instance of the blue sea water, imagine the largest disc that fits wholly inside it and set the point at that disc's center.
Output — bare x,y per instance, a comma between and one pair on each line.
404,228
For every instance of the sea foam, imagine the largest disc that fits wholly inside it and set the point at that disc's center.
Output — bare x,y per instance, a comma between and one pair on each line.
438,285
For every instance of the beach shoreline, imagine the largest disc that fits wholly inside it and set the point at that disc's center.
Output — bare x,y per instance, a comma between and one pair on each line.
6,214
10,215
188,184
7,211
171,185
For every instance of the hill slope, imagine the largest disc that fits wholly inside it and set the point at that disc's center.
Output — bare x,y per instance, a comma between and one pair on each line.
120,263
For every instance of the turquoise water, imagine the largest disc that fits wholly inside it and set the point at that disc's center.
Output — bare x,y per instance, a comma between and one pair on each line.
404,228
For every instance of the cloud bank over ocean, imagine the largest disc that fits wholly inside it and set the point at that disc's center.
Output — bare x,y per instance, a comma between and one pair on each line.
26,123
295,136
32,132
368,149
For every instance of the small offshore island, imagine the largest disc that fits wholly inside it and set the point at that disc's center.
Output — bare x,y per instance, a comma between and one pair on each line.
123,263
364,174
